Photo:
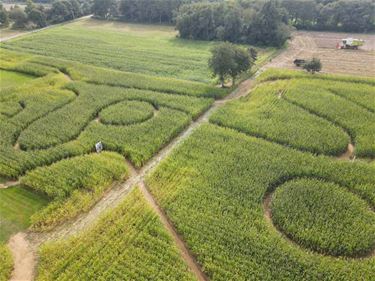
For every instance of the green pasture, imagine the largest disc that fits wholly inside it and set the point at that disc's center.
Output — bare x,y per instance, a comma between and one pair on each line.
12,79
17,205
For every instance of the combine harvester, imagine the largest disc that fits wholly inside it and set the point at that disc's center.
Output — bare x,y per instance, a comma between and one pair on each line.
351,44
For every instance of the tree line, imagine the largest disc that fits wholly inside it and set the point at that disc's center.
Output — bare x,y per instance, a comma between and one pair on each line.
37,16
262,22
333,15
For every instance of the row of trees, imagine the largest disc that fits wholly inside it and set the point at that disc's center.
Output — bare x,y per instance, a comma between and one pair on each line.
234,22
38,16
335,15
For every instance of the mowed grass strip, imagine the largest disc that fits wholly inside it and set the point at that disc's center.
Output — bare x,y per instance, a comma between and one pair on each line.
12,79
17,205
212,188
128,243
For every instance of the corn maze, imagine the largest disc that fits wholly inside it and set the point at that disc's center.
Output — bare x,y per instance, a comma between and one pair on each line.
276,185
57,112
263,193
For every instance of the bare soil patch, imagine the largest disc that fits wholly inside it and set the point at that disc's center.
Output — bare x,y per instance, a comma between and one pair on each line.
349,153
305,45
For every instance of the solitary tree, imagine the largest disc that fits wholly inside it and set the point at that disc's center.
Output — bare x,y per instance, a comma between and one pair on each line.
313,65
229,60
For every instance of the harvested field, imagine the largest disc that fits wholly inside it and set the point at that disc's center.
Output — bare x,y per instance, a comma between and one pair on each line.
305,45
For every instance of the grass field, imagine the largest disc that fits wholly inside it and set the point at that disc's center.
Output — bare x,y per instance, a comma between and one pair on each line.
16,209
11,79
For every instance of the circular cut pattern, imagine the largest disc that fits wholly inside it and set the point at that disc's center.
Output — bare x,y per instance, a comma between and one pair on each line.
127,113
324,217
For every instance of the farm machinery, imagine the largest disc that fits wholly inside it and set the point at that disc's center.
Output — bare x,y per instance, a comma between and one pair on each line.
351,44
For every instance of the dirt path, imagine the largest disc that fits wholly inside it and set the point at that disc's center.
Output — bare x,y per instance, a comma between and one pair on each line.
184,251
9,184
23,257
41,29
348,154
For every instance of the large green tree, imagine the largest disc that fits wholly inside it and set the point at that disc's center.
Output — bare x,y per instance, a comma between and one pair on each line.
229,60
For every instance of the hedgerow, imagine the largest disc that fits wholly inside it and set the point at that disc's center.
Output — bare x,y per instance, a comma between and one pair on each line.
324,217
6,263
266,114
128,243
212,189
127,113
75,184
